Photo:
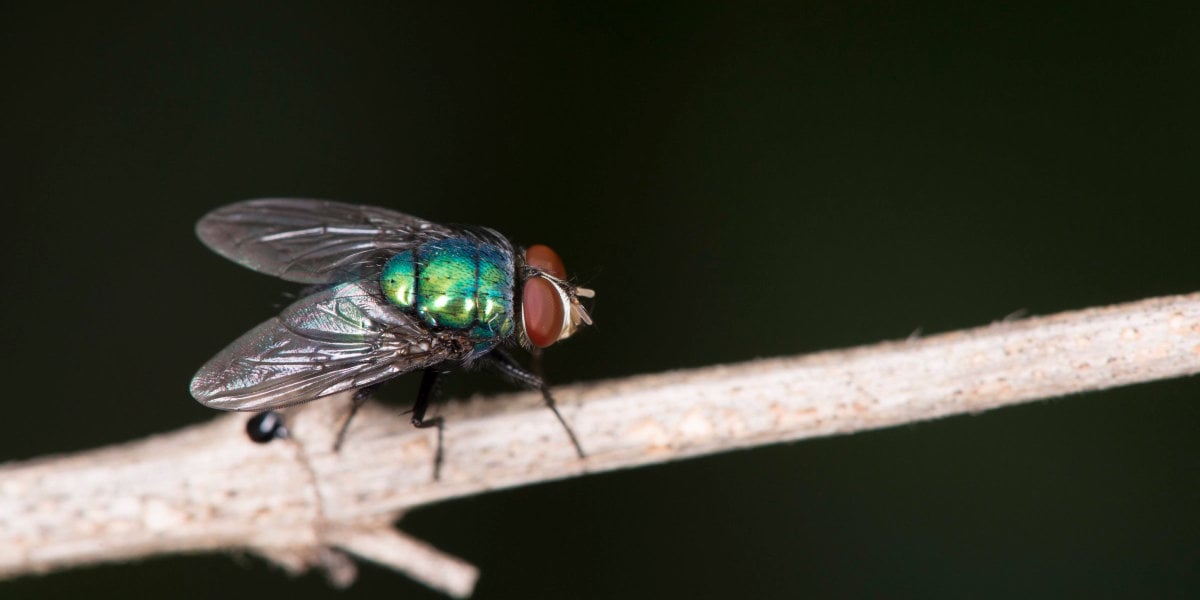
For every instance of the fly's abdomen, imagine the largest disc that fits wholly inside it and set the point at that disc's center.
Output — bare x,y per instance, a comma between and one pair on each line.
454,283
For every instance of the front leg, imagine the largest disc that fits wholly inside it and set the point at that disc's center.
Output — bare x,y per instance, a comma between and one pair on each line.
506,365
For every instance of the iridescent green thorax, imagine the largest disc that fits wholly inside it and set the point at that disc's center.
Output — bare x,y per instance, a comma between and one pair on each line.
455,283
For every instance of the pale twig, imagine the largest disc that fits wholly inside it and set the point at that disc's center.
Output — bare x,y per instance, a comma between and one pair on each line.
301,504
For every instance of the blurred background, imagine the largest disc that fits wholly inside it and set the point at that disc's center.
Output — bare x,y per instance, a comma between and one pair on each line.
734,181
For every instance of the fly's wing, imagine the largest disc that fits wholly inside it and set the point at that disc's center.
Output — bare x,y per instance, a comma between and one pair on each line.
338,339
310,241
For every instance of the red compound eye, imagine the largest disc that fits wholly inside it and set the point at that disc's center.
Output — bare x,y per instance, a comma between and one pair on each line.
542,309
541,304
545,259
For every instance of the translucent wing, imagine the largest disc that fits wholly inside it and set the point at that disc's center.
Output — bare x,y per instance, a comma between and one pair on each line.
337,339
310,241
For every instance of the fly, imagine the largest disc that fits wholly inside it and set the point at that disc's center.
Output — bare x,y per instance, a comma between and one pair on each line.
393,294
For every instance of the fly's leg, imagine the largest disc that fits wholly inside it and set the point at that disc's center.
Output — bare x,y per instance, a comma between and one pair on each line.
429,391
360,398
508,366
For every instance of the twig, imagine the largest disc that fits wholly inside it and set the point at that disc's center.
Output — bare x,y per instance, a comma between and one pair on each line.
300,504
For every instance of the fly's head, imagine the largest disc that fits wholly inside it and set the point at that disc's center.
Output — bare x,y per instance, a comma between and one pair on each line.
550,307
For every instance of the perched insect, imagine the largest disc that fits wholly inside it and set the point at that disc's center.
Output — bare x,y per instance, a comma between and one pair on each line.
391,294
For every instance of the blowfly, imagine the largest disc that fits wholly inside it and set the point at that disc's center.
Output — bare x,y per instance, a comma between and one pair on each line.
389,294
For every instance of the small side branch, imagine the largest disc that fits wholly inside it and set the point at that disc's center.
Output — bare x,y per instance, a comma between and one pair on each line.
301,504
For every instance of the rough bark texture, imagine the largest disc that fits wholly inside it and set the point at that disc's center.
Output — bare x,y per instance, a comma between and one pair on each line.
300,504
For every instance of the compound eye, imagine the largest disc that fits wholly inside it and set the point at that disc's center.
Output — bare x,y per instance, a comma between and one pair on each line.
545,259
542,309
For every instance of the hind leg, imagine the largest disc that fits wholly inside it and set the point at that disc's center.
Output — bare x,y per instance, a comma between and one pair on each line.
360,397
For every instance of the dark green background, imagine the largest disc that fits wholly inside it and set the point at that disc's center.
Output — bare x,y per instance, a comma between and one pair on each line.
735,182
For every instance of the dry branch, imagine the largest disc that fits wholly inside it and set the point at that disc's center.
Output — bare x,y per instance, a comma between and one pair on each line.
298,503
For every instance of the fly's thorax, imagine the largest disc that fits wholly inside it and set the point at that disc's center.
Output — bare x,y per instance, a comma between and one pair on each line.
457,283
